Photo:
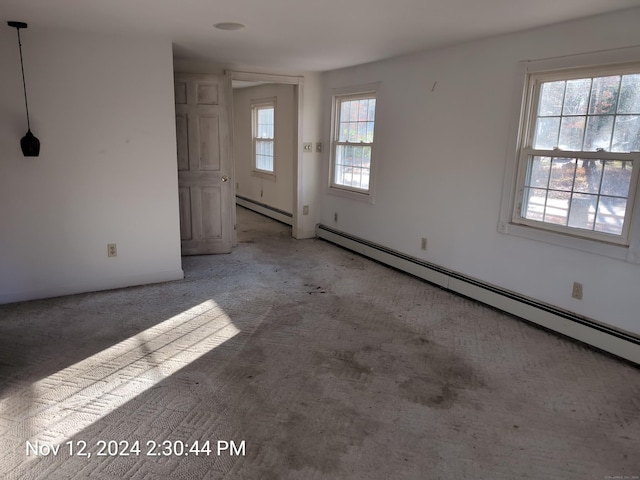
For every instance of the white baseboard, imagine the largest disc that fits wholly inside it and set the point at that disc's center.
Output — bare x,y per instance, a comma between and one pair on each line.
586,330
265,210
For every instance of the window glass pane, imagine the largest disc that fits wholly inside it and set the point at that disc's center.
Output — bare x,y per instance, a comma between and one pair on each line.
264,127
556,210
616,178
352,167
588,176
356,156
562,173
576,97
343,133
353,131
363,110
369,136
362,132
583,209
366,157
629,94
598,134
610,216
534,202
551,99
356,123
538,174
371,113
546,136
345,108
338,178
626,134
604,95
264,155
571,133
598,197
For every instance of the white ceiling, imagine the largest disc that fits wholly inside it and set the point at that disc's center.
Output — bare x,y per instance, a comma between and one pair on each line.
304,35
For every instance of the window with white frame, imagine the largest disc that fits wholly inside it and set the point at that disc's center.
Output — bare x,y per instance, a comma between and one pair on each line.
352,149
579,153
263,120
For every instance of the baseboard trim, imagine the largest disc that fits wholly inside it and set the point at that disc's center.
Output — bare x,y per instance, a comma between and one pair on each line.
584,329
265,209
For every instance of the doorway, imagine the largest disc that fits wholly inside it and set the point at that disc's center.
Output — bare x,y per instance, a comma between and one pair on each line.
267,167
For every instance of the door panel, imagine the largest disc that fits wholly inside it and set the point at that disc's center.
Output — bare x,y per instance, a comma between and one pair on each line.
211,202
209,130
207,93
204,163
184,199
182,137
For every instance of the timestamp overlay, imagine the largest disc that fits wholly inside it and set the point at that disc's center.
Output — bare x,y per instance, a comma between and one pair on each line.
137,448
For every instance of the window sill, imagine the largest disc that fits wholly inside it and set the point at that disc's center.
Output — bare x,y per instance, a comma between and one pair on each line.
343,192
265,175
618,252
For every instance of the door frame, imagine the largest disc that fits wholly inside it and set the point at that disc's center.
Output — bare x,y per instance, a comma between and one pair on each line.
296,220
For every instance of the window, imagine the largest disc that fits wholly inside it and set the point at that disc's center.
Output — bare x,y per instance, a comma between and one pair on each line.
579,153
263,120
352,149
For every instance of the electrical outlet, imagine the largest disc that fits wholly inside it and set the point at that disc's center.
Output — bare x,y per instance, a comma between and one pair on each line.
335,216
112,250
305,210
423,244
577,291
307,147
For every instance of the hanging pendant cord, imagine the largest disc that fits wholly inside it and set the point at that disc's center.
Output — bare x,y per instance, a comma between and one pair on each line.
24,85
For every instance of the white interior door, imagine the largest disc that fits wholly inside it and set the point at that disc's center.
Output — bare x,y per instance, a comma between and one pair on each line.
204,163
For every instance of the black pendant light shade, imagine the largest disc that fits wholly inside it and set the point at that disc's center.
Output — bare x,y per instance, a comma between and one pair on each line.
29,143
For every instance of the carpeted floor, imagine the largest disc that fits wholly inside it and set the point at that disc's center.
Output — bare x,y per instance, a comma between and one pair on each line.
299,360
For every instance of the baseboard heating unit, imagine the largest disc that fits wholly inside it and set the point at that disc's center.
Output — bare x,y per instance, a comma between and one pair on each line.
583,329
265,210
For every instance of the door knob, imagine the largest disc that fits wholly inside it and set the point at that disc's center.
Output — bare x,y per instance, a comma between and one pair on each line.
225,178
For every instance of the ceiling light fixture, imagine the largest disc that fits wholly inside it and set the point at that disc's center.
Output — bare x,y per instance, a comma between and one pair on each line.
29,143
229,26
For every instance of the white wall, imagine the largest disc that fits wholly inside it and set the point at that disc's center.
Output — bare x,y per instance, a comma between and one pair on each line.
442,135
275,191
310,177
103,110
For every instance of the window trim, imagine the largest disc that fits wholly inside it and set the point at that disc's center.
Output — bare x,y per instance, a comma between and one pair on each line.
255,106
523,102
352,93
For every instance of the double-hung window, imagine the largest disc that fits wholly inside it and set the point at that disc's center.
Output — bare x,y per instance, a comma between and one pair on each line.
352,152
579,154
263,120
